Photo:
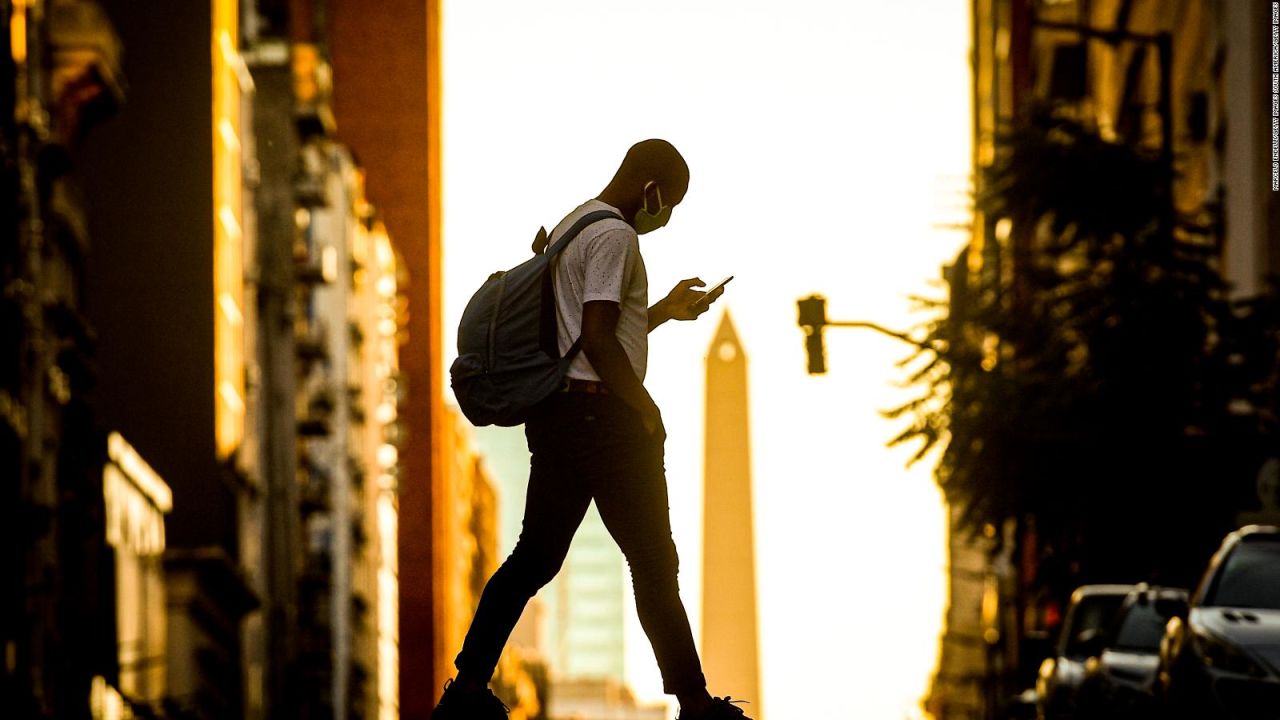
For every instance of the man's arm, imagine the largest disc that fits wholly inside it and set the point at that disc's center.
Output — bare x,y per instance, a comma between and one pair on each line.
600,345
658,314
679,303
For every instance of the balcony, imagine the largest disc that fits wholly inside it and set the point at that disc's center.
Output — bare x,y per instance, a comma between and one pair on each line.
309,186
312,345
359,537
313,89
308,272
314,496
314,427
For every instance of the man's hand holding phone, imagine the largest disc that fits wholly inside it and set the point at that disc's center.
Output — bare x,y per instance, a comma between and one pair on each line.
686,303
702,303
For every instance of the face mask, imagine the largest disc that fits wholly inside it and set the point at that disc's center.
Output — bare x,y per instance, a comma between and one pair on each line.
647,221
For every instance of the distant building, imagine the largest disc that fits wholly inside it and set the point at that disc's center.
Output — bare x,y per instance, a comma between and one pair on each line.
470,558
271,535
471,527
506,453
730,621
585,605
348,334
207,600
331,315
588,605
570,639
376,577
599,699
135,501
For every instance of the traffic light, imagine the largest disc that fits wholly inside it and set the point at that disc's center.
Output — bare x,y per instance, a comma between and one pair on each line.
813,318
817,353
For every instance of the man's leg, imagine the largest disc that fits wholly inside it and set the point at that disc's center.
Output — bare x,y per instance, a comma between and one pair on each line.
630,490
555,504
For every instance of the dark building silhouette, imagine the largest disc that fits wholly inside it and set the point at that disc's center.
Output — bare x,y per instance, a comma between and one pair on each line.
60,77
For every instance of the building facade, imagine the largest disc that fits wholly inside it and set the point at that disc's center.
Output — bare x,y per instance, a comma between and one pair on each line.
331,302
135,502
348,331
1180,79
201,289
61,75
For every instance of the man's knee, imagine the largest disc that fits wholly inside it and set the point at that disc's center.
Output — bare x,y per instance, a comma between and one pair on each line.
530,569
655,562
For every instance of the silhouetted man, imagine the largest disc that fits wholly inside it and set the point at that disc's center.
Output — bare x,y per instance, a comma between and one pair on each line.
601,438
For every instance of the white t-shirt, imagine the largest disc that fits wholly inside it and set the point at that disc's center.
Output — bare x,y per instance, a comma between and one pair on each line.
602,263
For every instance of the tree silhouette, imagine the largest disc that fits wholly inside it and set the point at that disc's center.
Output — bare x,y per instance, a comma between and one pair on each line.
1087,371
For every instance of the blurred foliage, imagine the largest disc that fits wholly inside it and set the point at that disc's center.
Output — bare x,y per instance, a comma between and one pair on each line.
1106,387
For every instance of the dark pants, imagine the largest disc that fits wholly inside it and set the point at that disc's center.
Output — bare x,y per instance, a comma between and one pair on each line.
585,447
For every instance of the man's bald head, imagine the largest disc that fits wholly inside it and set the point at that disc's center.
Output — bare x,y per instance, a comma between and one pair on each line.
652,161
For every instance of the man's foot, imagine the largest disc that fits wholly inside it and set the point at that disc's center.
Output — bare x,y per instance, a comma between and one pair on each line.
459,703
724,708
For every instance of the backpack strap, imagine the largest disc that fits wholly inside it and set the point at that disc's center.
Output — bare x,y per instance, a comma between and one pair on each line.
559,246
573,231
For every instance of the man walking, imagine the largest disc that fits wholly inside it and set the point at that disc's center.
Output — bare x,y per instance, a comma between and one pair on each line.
601,438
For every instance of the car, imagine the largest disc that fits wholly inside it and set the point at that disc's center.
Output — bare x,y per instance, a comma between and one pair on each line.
1222,660
1091,612
1119,682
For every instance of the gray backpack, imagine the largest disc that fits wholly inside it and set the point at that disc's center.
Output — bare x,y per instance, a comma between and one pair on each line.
508,348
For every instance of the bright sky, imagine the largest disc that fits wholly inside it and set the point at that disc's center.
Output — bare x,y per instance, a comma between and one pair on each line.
827,141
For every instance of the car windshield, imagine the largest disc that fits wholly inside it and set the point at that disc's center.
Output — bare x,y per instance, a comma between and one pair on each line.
1141,629
1093,612
1250,577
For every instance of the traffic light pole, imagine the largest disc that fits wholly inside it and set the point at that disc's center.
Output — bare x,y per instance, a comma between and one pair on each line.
813,320
880,329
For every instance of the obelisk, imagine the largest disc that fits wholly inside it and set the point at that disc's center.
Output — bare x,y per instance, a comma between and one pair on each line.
729,629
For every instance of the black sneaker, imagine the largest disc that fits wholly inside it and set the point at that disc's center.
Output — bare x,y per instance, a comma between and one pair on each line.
459,704
724,708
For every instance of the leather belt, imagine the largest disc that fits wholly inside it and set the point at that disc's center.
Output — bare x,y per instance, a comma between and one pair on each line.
594,387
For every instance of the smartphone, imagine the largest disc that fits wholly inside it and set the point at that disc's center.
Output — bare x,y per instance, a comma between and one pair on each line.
703,300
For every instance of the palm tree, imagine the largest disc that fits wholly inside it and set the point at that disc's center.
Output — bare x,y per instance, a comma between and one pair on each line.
1082,371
